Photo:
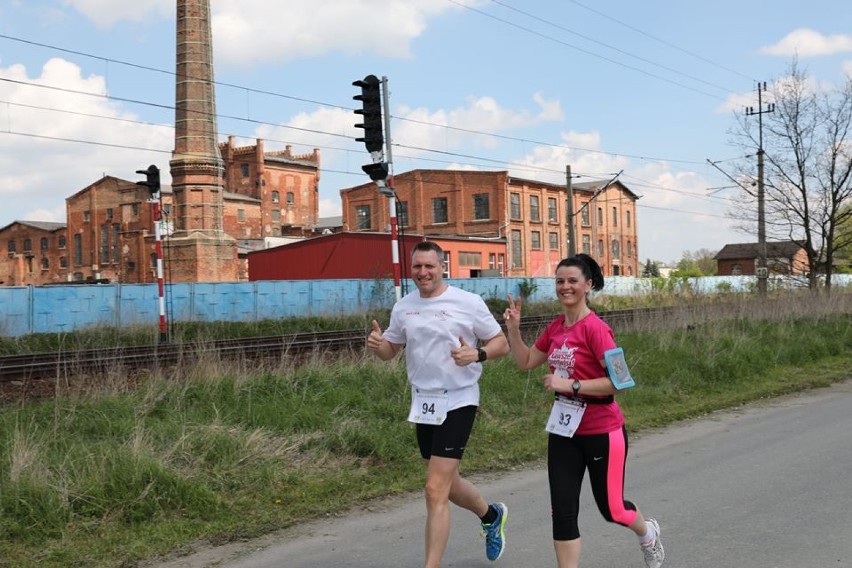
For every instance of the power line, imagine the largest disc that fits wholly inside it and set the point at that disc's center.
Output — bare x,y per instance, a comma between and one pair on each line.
540,143
673,210
619,50
655,38
582,50
163,71
508,165
644,183
165,106
327,170
320,132
260,122
641,183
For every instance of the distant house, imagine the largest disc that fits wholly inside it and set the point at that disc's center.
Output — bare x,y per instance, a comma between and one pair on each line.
665,271
782,257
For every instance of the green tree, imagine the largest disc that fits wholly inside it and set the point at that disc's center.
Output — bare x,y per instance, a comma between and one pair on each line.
699,263
651,269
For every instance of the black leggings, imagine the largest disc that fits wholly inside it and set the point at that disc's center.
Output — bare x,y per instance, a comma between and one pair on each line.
567,460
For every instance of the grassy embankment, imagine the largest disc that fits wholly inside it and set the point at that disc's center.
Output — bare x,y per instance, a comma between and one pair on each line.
222,451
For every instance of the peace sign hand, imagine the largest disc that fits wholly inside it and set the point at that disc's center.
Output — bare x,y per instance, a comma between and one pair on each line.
512,315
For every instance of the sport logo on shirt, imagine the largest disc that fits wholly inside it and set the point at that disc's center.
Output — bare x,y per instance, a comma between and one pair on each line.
562,361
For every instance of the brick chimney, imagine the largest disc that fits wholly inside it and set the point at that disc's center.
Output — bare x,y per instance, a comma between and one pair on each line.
199,250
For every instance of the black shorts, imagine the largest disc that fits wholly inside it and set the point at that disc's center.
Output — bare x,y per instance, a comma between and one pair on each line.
449,439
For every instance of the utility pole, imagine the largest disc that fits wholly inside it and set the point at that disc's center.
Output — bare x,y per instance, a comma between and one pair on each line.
572,242
761,271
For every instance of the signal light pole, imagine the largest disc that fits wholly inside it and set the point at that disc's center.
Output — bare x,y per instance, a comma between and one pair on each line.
152,182
371,97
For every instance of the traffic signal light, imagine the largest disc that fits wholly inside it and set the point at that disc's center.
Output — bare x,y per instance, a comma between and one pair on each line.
152,179
371,101
378,171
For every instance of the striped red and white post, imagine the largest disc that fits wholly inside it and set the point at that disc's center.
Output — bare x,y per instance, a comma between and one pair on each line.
394,242
161,297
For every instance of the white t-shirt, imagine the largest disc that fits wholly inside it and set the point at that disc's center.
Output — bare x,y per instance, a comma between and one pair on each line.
429,328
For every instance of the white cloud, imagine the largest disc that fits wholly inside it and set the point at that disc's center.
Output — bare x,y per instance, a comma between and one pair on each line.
579,150
805,42
449,130
846,68
106,13
276,31
329,207
42,160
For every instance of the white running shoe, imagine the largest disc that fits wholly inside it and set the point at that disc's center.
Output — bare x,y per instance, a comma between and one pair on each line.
654,553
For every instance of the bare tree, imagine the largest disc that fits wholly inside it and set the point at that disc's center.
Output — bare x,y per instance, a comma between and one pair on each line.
807,141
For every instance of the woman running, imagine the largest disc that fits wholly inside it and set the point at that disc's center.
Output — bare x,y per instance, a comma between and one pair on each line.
586,427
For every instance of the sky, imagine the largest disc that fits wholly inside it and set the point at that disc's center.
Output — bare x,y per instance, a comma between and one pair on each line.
649,91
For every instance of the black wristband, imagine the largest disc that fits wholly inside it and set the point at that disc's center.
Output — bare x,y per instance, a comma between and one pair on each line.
482,354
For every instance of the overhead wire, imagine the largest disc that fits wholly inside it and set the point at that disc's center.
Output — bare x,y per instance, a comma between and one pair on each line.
603,44
311,101
582,50
660,40
481,160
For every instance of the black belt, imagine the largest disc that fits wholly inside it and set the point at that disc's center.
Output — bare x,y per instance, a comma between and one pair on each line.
589,400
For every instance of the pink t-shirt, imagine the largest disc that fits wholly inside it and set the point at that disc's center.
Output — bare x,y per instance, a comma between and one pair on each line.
576,352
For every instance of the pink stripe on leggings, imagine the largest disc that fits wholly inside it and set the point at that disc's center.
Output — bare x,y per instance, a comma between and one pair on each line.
615,480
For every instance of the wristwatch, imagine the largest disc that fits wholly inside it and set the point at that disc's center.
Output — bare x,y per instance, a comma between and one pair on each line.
575,386
482,354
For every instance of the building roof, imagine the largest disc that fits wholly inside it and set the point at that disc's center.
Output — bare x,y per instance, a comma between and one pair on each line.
278,159
41,225
239,197
775,249
118,182
329,222
594,186
245,246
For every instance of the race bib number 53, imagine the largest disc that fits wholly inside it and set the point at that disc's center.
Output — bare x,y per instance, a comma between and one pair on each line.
428,406
565,416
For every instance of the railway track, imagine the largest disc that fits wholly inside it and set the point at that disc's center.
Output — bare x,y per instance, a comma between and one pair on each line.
91,362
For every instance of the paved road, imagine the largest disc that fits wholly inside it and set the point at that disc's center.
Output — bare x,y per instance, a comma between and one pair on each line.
764,486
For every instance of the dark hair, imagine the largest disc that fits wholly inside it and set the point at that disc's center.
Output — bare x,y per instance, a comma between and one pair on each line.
426,246
590,268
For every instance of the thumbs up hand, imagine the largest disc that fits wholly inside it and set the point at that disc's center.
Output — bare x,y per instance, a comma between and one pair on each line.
374,339
464,354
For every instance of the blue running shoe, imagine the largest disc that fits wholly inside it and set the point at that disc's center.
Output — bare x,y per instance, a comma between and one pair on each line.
495,533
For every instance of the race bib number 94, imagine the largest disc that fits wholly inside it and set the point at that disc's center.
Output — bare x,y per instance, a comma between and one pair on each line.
428,406
565,416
